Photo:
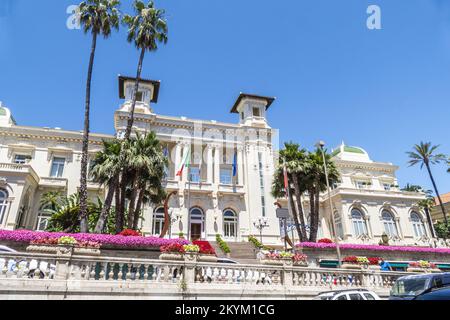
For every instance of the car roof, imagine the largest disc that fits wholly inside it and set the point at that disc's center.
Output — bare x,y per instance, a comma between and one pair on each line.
342,291
5,248
425,276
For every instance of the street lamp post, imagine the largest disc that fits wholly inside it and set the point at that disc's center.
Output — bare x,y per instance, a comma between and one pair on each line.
321,145
260,224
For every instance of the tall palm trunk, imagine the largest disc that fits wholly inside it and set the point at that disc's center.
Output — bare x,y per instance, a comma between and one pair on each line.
138,208
301,236
133,102
298,197
107,206
437,192
131,205
119,215
84,228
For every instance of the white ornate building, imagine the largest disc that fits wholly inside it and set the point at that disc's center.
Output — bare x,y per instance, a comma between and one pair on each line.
231,174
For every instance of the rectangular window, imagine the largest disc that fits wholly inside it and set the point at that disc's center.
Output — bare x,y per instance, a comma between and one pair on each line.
387,186
256,112
225,176
42,222
140,96
194,174
57,167
21,158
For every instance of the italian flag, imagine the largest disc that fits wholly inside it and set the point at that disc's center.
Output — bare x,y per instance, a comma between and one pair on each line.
185,163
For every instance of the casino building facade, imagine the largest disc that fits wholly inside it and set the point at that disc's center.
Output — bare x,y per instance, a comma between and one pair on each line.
227,188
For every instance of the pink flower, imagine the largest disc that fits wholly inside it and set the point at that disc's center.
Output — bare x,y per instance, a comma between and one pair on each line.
28,236
313,245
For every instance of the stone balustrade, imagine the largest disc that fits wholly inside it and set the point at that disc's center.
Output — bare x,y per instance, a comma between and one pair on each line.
175,278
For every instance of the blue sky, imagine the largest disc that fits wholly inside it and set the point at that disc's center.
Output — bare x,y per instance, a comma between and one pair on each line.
333,78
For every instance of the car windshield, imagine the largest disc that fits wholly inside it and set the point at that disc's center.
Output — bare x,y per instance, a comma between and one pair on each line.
410,287
323,297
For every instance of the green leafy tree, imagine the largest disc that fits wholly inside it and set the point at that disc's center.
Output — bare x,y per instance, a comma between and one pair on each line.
97,17
426,155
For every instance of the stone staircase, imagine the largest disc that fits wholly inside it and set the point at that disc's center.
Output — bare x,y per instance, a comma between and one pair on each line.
243,252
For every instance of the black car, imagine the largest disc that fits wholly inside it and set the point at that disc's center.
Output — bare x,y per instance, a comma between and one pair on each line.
410,287
435,294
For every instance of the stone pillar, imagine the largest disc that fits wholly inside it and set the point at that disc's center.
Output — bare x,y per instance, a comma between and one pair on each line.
209,164
240,166
217,161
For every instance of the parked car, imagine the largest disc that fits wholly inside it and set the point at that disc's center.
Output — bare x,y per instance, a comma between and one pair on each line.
354,294
226,260
435,294
410,287
35,268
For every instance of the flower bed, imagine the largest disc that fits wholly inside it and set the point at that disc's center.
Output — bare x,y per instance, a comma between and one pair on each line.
277,258
205,247
422,266
26,236
373,248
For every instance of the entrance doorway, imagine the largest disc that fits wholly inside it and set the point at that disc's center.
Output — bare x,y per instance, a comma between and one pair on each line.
196,224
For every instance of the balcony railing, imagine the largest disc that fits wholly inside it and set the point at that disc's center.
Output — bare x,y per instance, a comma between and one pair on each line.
201,275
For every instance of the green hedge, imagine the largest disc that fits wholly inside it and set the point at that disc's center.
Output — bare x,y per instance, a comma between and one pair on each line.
222,244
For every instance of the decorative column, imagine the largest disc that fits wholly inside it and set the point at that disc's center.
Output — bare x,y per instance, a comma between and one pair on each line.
217,165
240,165
209,163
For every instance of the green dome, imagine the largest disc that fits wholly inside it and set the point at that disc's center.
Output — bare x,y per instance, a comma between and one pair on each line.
348,149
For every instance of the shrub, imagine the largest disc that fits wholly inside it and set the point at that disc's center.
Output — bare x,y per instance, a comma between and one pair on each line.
67,240
27,236
205,247
325,240
172,248
258,244
130,233
222,244
191,248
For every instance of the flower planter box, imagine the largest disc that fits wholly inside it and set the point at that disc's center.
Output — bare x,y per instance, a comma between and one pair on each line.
271,262
375,268
63,249
351,266
301,264
417,270
171,256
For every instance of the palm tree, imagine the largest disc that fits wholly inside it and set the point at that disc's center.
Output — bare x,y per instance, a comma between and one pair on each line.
106,171
425,155
316,183
146,163
50,200
96,17
146,29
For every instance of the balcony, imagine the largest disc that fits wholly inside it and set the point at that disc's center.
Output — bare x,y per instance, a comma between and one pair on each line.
231,189
18,169
54,183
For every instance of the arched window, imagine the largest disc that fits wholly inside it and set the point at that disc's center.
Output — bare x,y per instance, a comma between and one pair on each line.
196,224
359,224
339,226
230,224
158,221
390,227
418,225
3,204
